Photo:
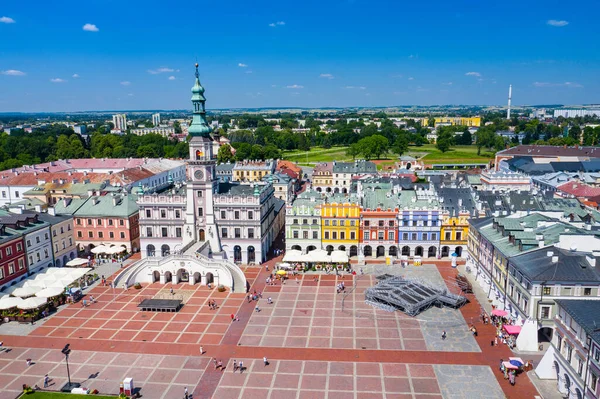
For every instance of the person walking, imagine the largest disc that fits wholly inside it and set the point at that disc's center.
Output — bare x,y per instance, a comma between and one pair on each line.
186,394
265,361
235,365
46,380
201,350
241,365
444,335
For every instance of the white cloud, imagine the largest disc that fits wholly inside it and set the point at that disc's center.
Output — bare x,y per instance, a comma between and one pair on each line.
171,77
160,70
413,56
447,84
75,76
294,87
242,65
248,71
397,76
7,20
411,78
356,87
477,74
326,76
273,85
557,23
12,72
565,84
57,80
130,94
278,23
90,28
125,83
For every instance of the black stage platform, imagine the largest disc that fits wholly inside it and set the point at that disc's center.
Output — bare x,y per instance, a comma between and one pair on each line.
161,305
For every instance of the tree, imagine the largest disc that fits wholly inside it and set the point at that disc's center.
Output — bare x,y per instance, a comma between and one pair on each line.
353,151
431,122
243,151
466,138
224,155
177,127
373,146
400,145
445,139
589,136
575,133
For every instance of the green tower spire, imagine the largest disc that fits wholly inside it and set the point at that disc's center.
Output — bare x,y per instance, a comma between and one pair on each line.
199,126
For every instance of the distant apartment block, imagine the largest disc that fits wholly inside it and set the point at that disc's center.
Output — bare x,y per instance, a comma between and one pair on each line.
156,119
474,121
572,113
120,122
163,131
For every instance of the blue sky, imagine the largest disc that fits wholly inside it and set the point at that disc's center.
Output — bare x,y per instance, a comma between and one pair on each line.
108,55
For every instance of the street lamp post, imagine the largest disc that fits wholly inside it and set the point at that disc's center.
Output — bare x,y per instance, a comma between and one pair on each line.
69,385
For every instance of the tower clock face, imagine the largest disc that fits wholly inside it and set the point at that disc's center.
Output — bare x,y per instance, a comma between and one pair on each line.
199,175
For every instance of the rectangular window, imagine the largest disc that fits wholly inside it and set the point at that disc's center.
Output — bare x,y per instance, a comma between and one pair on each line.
314,221
569,353
223,215
391,223
122,235
304,221
99,222
315,235
8,251
89,222
238,232
200,212
547,290
79,221
250,215
46,254
352,235
79,234
342,235
327,235
334,222
381,223
380,235
111,235
1,274
17,194
458,235
236,215
148,231
178,232
251,233
413,236
121,222
433,236
424,236
163,213
587,291
37,240
90,234
326,222
390,235
405,236
224,232
342,222
28,243
100,234
199,194
353,223
163,231
334,235
448,236
19,247
365,235
53,233
366,223
594,382
21,264
148,213
545,312
579,366
295,234
11,268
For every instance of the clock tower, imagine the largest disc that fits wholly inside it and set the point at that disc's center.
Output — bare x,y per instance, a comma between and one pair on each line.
202,181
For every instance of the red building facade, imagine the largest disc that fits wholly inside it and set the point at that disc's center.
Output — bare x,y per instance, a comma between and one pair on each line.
12,256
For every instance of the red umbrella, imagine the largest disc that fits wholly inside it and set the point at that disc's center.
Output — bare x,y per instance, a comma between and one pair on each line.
498,312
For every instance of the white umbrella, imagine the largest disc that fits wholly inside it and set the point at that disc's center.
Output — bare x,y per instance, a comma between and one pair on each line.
318,255
9,302
49,292
24,292
99,249
339,257
116,250
58,284
32,303
293,255
34,283
77,262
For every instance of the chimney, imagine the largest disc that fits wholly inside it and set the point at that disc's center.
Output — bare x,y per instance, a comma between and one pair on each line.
549,253
38,208
51,211
555,259
541,243
115,200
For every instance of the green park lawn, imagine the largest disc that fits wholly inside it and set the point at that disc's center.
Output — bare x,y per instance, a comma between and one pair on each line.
459,153
58,395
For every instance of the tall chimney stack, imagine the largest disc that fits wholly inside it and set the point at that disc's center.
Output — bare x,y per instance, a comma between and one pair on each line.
509,98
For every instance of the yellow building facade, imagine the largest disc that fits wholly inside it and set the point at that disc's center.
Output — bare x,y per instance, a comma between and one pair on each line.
340,223
474,121
454,234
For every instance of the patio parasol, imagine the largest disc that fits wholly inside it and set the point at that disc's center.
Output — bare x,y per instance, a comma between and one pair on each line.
281,272
9,302
77,262
510,366
339,257
24,292
498,312
293,255
32,303
101,249
50,292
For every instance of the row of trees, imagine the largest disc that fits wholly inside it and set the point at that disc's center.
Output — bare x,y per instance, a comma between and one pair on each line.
59,142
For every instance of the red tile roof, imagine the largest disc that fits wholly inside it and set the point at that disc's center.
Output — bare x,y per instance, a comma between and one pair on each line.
579,190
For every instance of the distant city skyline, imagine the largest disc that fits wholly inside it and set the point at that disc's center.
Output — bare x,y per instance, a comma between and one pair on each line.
85,57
